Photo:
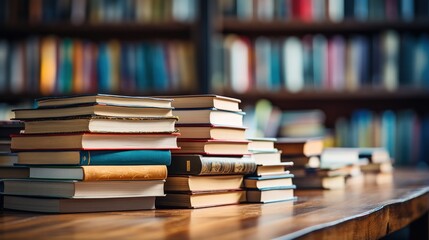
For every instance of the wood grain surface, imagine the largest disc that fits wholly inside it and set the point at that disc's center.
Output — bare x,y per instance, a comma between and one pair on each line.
358,212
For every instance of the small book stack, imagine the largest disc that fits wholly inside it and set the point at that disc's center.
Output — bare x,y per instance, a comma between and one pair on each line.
92,153
376,165
8,158
306,154
208,168
270,182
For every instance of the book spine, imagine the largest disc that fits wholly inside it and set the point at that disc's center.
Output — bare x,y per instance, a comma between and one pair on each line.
109,173
197,166
132,157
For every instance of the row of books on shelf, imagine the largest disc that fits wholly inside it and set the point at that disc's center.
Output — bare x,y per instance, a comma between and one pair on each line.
330,10
51,65
385,61
133,153
96,12
404,133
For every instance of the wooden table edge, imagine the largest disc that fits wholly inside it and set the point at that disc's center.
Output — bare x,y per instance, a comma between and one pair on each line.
421,198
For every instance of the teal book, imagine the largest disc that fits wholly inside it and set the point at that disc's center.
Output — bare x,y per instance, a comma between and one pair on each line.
83,158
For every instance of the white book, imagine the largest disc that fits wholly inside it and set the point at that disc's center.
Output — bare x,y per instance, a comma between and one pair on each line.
294,67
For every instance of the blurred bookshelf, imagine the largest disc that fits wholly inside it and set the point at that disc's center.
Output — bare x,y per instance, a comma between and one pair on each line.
359,68
339,56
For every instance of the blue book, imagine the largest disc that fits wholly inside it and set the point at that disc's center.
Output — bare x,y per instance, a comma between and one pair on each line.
104,67
83,158
388,131
160,71
142,80
407,10
276,80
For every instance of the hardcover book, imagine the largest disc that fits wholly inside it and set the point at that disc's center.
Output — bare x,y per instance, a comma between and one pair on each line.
211,147
271,195
210,131
206,101
263,183
91,110
78,189
60,205
99,124
203,183
210,165
209,116
300,146
101,173
104,99
200,199
93,141
120,157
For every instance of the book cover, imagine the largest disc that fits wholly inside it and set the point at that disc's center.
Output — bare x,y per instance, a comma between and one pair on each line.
206,165
101,173
128,157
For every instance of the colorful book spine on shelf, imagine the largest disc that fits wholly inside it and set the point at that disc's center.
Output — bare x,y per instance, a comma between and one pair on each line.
101,11
65,66
388,60
333,10
402,133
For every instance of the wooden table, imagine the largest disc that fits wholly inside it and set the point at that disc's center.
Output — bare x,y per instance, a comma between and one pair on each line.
366,212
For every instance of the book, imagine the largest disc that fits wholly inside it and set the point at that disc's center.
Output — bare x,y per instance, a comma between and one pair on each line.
8,159
93,141
263,182
203,183
8,128
272,169
209,116
212,147
101,173
268,158
209,131
261,144
210,165
384,167
205,101
300,146
303,161
335,182
99,124
90,110
78,189
104,99
120,157
200,199
339,157
271,195
374,155
13,172
59,205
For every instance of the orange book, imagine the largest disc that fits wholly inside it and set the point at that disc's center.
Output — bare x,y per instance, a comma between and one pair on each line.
101,173
78,78
48,65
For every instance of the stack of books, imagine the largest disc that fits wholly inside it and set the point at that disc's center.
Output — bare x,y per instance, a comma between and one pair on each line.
271,182
8,158
307,155
208,170
377,167
92,153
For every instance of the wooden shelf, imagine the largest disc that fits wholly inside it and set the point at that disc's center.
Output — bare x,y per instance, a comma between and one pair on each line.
165,30
279,28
